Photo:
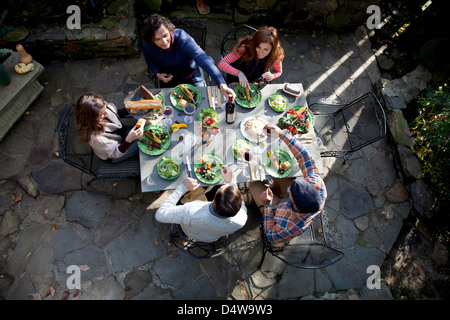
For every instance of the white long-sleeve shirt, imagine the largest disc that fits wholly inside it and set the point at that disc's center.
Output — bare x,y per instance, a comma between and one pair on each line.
198,219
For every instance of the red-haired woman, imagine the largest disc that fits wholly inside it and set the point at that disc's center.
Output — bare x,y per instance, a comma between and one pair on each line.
253,56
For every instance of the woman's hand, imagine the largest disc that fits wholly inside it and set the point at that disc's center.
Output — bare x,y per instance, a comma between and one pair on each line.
190,184
268,76
227,92
227,173
135,133
266,197
243,81
164,77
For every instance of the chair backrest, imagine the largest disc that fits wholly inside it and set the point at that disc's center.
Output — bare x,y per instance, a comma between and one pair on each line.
198,250
71,149
195,29
233,36
80,155
309,250
347,127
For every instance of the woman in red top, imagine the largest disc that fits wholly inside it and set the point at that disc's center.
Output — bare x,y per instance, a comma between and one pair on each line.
253,56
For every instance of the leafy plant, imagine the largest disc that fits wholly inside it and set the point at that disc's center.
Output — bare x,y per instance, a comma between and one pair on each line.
5,52
431,131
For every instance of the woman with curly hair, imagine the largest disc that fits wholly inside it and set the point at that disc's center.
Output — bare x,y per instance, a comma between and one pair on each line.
99,125
253,56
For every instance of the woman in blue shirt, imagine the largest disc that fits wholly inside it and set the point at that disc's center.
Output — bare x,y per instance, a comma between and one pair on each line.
174,56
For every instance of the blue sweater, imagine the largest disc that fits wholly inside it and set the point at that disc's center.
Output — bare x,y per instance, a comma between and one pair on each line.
182,59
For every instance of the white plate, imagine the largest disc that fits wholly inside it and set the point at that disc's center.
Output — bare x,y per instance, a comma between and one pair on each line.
245,134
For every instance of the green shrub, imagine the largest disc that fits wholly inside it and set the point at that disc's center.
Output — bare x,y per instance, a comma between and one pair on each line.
431,131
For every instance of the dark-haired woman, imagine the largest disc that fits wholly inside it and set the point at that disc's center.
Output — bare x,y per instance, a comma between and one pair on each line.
203,220
99,125
174,56
253,57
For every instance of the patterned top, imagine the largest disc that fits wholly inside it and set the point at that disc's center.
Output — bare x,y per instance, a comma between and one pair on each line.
282,223
233,56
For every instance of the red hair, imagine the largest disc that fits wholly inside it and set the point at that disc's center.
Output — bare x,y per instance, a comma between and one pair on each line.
263,35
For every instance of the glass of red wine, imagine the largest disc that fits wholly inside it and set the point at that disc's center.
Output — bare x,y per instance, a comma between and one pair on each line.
189,110
167,112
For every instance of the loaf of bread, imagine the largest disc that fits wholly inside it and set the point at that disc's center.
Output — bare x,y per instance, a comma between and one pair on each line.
141,122
144,105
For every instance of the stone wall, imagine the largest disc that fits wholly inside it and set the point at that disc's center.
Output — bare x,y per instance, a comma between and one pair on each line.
116,35
331,14
304,13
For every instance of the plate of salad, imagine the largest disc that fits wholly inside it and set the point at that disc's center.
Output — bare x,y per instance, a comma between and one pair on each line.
277,102
168,168
298,119
208,117
239,147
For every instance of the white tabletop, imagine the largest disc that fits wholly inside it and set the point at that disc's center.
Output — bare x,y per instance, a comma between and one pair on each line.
222,142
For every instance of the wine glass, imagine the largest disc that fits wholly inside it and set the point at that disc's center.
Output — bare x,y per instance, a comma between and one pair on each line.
189,110
168,113
247,157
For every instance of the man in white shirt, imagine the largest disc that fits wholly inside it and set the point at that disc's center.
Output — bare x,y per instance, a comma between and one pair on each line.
203,220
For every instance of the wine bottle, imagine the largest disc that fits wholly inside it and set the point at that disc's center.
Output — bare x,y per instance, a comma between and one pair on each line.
230,114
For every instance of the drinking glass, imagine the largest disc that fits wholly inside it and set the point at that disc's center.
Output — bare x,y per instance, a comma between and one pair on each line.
167,113
189,110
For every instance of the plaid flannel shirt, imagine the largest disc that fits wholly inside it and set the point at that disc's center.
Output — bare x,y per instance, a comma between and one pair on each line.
282,223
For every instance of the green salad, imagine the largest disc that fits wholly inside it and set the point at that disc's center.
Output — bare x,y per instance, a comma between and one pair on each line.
168,168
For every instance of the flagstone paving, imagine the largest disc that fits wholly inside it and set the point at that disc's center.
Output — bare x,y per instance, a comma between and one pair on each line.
109,229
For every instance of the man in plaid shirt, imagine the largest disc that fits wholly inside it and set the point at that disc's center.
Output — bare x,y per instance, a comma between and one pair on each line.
290,205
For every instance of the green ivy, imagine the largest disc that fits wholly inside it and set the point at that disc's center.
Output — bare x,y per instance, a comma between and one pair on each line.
431,131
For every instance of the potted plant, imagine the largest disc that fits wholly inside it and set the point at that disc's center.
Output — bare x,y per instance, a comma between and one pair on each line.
4,76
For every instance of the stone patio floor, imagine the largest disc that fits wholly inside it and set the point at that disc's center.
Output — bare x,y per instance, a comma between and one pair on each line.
109,228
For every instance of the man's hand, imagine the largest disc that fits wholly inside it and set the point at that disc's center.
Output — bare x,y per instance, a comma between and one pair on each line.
164,77
227,92
191,184
266,197
227,173
273,131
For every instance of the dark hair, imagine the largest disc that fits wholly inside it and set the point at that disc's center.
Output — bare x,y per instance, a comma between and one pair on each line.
227,201
263,35
153,23
87,110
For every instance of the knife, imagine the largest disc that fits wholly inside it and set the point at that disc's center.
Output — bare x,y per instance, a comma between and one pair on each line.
263,172
260,169
189,166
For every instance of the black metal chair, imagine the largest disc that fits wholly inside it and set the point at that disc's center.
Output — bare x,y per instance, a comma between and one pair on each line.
347,127
81,156
233,36
198,250
196,30
310,250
